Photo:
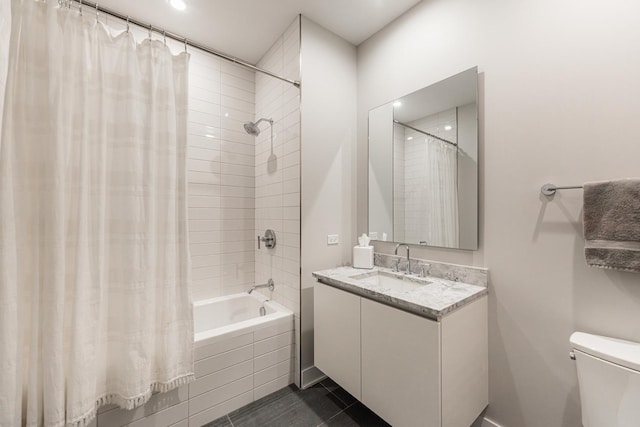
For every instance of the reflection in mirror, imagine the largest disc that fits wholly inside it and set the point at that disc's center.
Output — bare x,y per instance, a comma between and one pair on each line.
423,166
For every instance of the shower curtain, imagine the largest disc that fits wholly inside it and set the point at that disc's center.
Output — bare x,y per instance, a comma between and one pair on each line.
442,198
94,263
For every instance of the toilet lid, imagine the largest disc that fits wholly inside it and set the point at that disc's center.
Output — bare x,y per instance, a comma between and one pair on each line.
621,352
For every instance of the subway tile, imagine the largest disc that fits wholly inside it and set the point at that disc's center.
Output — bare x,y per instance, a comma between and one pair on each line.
199,189
230,169
237,94
274,372
237,180
272,386
238,82
204,201
234,147
164,418
221,346
205,272
237,159
205,248
236,70
211,142
272,343
202,224
222,361
199,153
235,191
220,378
230,101
203,166
221,409
205,260
205,236
220,394
205,214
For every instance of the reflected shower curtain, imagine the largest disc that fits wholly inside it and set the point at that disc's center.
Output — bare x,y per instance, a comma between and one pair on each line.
442,197
94,265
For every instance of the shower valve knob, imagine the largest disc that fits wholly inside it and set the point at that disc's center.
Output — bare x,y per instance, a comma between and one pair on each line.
269,239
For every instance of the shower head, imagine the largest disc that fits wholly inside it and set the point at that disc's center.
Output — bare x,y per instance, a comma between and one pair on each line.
252,128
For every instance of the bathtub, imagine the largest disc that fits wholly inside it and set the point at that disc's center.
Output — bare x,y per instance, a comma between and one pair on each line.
239,356
221,317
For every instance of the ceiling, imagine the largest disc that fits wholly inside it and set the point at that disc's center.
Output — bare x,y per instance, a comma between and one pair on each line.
247,28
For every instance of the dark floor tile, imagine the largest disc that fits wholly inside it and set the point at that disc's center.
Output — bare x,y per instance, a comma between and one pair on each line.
301,408
356,415
266,403
220,422
340,393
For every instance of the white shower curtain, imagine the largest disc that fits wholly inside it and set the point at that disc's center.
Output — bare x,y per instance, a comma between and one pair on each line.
94,264
442,198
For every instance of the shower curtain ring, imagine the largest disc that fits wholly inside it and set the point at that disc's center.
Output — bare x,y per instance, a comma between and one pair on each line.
97,13
150,31
185,44
127,23
80,8
164,36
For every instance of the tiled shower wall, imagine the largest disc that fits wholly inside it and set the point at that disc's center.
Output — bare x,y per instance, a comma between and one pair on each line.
221,176
277,171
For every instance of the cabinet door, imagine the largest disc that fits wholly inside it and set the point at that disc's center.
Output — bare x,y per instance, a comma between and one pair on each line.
400,365
336,316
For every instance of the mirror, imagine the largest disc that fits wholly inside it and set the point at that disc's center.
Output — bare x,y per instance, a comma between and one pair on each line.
423,166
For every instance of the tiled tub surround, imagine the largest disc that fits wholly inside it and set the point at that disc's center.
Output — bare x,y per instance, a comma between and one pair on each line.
244,359
435,299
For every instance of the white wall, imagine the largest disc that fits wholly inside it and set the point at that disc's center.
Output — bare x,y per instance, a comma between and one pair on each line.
559,94
5,34
277,171
381,170
328,160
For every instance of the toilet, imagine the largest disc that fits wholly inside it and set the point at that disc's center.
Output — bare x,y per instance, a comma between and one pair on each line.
609,380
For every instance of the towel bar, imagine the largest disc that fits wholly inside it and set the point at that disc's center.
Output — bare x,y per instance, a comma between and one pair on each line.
550,189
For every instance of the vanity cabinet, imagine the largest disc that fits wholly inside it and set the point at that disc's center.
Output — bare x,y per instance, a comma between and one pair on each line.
337,341
410,370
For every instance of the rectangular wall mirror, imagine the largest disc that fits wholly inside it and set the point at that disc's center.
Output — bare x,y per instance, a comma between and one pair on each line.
423,166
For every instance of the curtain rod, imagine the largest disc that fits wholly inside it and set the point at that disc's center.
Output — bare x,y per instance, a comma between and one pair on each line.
181,39
423,132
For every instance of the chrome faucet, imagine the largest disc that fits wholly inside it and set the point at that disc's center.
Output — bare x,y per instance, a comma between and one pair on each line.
408,270
269,285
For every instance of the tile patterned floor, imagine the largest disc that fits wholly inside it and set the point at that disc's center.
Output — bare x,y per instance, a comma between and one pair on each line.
324,405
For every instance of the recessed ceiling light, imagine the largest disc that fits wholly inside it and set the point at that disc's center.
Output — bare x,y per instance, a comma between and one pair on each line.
448,127
178,4
397,104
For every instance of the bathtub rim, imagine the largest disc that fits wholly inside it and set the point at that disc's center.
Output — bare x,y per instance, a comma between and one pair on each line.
244,327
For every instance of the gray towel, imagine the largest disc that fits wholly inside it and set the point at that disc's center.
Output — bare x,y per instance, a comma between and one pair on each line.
612,224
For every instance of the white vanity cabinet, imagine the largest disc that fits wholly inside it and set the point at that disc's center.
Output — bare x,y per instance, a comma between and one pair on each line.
410,370
337,341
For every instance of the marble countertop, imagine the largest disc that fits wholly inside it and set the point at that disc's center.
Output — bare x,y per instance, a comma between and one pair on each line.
432,300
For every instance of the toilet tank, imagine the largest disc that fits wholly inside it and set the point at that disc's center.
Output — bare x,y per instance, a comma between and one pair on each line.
609,380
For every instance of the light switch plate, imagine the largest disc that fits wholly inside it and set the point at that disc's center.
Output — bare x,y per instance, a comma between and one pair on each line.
333,239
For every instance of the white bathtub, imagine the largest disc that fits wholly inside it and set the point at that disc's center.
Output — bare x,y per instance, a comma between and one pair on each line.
224,316
239,355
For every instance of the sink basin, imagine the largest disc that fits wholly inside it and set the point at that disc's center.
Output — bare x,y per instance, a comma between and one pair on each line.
395,282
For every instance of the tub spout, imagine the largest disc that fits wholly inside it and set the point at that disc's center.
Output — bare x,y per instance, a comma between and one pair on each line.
269,285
